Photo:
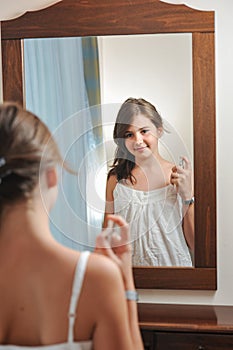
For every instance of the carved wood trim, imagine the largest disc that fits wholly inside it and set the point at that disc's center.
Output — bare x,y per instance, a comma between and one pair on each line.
102,18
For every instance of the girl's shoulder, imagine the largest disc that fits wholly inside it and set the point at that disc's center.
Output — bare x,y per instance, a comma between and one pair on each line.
99,270
112,172
101,266
112,181
167,165
101,274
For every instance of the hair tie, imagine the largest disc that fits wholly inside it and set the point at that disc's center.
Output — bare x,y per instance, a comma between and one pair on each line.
2,161
6,173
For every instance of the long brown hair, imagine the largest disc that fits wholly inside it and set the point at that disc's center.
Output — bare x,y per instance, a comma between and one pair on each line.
124,161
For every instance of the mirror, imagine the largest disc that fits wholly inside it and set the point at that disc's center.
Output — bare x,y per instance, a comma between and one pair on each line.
135,65
72,18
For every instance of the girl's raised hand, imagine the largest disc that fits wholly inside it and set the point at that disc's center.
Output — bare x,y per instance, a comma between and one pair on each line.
116,246
181,177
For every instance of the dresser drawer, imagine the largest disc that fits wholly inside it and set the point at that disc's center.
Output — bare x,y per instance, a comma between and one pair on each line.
192,341
148,338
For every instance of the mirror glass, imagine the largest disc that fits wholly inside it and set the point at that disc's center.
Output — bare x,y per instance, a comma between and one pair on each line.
157,68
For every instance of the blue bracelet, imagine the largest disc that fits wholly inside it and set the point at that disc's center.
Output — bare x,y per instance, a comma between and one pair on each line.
189,201
131,295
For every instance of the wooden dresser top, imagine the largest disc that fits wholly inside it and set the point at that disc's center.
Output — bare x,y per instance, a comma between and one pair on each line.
188,318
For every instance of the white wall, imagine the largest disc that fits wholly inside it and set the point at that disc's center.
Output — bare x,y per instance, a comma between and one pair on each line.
224,141
224,117
12,9
159,69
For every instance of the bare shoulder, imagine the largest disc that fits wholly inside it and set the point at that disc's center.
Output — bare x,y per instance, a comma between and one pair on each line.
102,268
111,182
168,166
102,305
101,274
109,205
103,286
97,263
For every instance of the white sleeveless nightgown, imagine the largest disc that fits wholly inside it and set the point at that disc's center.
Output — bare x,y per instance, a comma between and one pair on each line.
155,219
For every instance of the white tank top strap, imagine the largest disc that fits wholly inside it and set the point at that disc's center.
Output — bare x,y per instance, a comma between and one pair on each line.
77,286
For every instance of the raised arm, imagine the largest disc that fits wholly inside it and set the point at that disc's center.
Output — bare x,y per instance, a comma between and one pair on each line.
188,225
182,177
109,203
118,249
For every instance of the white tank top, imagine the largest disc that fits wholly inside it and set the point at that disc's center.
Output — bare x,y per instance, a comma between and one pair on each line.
155,219
70,344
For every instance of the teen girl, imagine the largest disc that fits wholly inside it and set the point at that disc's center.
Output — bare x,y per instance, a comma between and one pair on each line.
52,297
153,195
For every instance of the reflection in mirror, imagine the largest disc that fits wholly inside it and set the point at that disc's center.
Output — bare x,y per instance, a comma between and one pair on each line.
150,192
58,85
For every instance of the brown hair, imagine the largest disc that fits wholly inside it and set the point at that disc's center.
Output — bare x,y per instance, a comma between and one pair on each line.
124,161
24,138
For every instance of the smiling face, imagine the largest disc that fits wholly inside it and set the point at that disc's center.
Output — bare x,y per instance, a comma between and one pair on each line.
141,137
137,118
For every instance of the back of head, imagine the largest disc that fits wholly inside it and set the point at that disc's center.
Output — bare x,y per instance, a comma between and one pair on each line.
24,138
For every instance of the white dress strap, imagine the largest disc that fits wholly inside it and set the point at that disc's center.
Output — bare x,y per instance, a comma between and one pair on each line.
77,286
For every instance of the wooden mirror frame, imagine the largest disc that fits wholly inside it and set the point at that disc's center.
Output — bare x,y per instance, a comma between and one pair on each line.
118,17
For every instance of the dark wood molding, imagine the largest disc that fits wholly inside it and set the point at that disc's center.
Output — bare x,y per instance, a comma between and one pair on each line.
205,147
186,318
105,18
179,278
83,18
177,326
12,74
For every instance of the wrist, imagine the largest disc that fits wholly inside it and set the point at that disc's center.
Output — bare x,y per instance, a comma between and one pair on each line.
131,295
129,284
189,201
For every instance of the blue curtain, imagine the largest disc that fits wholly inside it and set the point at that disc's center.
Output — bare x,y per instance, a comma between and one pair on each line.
62,87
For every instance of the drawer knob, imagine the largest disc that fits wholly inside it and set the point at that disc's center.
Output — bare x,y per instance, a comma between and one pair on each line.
200,347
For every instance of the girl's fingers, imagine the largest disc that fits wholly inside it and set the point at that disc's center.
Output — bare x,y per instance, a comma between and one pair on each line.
113,241
101,240
174,178
174,175
103,247
174,169
117,219
116,240
123,226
